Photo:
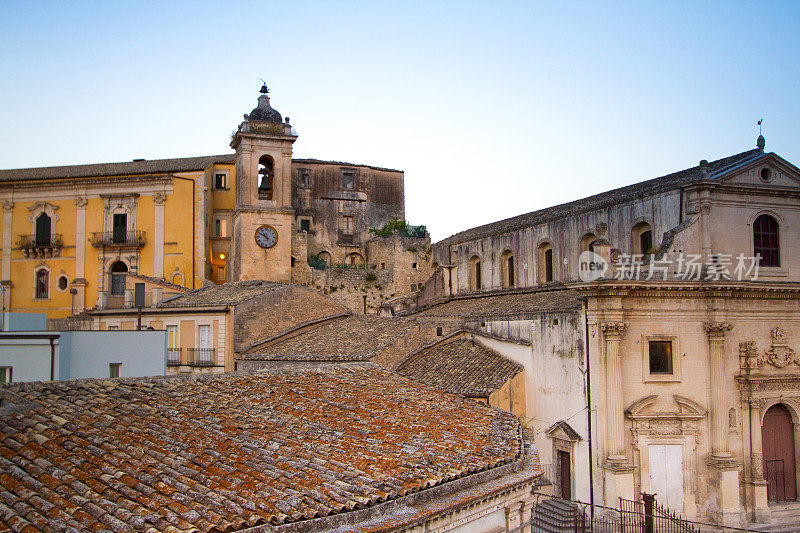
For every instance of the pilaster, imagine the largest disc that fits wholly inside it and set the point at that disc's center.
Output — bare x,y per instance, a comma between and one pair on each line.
8,209
159,199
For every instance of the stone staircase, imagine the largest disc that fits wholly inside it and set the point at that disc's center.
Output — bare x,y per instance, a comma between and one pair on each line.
785,519
555,516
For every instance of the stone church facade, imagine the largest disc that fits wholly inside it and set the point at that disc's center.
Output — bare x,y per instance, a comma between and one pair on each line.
683,347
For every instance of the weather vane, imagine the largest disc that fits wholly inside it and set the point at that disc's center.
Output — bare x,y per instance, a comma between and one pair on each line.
759,125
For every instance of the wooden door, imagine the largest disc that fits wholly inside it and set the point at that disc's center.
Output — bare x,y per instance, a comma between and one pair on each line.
564,474
777,442
666,474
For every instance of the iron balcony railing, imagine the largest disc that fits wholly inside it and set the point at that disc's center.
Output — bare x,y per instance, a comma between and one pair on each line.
174,356
53,240
201,356
348,238
118,238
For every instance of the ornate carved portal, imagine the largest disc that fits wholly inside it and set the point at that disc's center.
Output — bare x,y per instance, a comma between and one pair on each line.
657,421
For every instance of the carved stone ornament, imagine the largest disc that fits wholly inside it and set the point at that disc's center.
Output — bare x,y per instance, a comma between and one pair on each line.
779,354
159,198
717,329
81,202
613,329
8,205
601,228
749,357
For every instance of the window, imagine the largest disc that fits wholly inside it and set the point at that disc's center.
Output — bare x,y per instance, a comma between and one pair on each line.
414,266
114,370
172,337
220,181
439,331
587,242
383,266
113,328
642,238
305,225
348,178
304,178
766,175
204,337
62,283
325,256
545,262
354,259
220,227
475,283
660,357
119,271
5,374
43,230
507,269
347,225
119,228
266,175
42,284
765,241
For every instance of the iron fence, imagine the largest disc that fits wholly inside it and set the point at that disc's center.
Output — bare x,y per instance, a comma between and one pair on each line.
174,356
647,516
201,356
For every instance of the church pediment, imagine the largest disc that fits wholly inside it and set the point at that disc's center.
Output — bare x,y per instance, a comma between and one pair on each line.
768,170
563,431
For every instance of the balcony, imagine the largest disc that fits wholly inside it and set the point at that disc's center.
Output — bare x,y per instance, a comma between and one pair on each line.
174,356
41,245
119,239
201,356
348,239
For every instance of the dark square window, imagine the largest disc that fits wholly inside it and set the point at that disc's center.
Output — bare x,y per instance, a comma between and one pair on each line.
114,370
305,224
348,178
439,331
661,357
304,178
220,181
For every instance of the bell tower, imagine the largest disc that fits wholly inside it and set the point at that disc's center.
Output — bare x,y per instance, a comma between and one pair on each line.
261,243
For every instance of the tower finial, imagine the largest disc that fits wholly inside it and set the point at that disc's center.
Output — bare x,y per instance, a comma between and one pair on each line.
264,89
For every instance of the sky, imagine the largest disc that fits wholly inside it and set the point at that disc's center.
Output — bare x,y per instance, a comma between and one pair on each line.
492,109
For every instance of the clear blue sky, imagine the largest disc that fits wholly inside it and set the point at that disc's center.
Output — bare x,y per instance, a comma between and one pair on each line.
492,108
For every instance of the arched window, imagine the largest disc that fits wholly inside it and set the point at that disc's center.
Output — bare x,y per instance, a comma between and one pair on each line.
507,268
119,270
43,228
266,177
475,283
765,241
642,237
587,242
42,283
355,258
325,256
545,262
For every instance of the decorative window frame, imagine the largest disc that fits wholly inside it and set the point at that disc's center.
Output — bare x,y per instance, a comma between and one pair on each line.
778,271
675,377
634,235
564,439
36,270
64,275
182,277
116,204
43,207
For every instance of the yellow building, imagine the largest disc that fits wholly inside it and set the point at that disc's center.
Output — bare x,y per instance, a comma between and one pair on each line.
72,234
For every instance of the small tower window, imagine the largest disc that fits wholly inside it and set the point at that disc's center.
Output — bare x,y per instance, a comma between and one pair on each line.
266,177
642,236
304,178
348,178
305,225
475,283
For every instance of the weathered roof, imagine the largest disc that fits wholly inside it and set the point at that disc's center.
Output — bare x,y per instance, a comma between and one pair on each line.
460,366
226,452
226,294
350,338
599,201
144,166
507,303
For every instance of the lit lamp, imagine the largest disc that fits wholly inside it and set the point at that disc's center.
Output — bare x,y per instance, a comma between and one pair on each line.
222,256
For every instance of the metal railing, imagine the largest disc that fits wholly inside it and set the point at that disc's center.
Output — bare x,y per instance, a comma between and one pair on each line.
645,516
53,240
348,238
201,356
118,238
174,356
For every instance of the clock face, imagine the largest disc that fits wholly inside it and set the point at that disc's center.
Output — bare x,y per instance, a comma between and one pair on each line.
266,237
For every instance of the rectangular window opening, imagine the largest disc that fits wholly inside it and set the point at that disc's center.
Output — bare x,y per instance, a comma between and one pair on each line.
220,227
305,225
5,374
660,357
114,370
221,181
348,178
347,225
304,178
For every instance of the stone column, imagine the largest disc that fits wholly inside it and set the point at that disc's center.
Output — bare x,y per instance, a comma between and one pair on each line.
724,488
618,472
613,332
716,364
80,238
158,238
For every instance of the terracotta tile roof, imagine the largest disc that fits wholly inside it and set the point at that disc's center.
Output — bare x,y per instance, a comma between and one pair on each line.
231,451
460,366
350,338
159,281
127,168
599,201
221,295
143,166
524,302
